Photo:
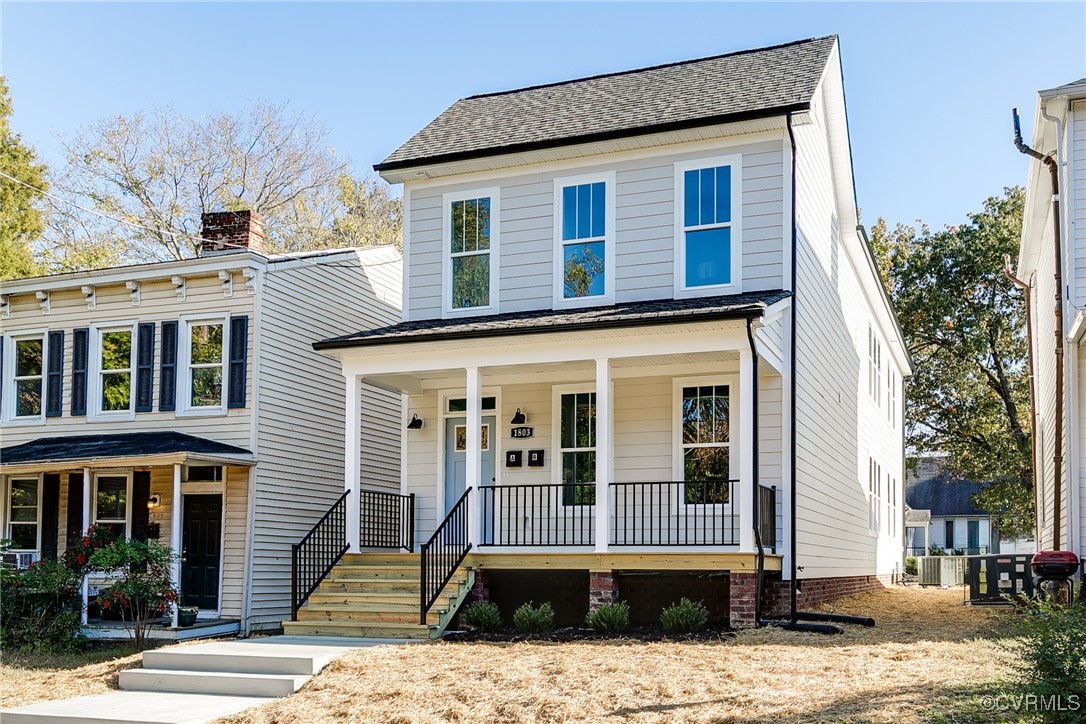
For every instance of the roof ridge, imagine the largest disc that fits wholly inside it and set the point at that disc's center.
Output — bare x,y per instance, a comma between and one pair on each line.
673,64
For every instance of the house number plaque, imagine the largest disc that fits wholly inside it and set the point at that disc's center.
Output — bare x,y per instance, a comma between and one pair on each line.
520,433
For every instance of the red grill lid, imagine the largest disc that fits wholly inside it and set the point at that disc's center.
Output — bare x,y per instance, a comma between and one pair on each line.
1055,557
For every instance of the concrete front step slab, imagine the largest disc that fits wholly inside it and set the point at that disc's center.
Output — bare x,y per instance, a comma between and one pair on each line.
131,707
366,629
211,682
272,655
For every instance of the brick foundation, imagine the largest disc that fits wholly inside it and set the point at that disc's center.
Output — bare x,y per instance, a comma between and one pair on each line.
742,589
812,593
602,590
480,591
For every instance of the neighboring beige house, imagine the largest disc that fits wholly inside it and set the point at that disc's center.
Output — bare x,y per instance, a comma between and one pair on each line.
182,401
642,327
1059,134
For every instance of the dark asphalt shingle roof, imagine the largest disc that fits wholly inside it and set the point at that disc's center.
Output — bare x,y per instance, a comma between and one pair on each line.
92,447
746,84
933,487
629,314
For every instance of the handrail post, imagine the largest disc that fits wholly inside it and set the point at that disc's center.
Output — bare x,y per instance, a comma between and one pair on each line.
422,586
294,582
411,522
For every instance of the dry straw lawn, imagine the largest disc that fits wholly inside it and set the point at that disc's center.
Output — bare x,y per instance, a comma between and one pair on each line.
929,658
31,678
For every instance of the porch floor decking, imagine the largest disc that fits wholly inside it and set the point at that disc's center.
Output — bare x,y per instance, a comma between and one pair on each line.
203,628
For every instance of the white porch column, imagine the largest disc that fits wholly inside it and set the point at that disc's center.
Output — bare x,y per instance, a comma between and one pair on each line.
86,524
604,451
176,539
473,467
352,460
747,421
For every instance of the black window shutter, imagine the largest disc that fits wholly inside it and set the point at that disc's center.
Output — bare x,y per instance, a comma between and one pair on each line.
167,390
50,501
79,371
75,508
141,491
239,347
54,388
145,366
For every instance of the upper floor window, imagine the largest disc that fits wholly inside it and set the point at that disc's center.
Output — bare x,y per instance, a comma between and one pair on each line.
874,370
114,360
28,376
204,360
707,229
585,250
471,234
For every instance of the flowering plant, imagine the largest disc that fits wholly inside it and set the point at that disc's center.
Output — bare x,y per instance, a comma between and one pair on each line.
78,554
144,589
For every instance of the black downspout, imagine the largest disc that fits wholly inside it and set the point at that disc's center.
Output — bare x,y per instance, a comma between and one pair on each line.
792,384
754,475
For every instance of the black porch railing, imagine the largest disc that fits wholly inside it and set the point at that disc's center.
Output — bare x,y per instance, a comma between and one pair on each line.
313,557
767,517
674,513
440,556
387,520
538,515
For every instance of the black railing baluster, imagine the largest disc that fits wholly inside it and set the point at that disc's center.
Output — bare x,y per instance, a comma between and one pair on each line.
313,557
442,554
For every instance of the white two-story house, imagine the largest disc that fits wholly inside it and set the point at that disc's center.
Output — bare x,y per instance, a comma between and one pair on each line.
645,353
183,402
1052,264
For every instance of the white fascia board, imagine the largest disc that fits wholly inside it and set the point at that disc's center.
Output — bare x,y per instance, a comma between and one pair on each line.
126,462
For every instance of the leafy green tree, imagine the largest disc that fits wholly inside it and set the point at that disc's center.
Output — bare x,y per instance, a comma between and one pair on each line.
964,324
21,221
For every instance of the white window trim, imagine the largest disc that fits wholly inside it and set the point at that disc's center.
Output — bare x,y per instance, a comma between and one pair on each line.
556,444
8,372
735,161
874,497
7,511
127,475
94,372
184,403
447,200
678,469
608,238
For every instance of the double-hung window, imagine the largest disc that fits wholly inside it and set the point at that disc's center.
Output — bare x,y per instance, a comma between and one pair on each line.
111,503
577,447
707,225
204,361
27,377
24,522
471,241
584,254
706,441
114,363
874,495
874,372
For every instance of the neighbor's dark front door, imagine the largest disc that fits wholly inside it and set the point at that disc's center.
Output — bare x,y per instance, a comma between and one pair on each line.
202,524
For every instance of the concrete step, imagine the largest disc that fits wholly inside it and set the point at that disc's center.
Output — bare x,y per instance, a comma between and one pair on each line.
210,682
358,629
132,707
365,613
278,662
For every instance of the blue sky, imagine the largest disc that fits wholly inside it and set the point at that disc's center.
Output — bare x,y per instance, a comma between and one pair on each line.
929,86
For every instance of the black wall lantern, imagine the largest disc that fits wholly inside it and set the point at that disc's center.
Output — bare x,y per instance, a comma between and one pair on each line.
415,424
519,418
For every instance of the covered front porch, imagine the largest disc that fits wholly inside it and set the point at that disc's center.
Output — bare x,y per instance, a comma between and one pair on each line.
188,493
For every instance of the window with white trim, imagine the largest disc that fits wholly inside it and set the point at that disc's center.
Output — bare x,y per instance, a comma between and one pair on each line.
707,224
115,363
28,377
874,371
585,250
577,447
874,495
24,514
470,243
706,443
111,503
891,505
204,364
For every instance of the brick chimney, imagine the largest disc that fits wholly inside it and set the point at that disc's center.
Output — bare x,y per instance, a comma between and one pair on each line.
227,231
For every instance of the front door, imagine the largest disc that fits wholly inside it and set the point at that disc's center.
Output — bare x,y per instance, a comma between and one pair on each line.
456,446
201,550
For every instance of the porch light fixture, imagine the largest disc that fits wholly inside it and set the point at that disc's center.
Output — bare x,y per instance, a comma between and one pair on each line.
519,418
154,501
415,424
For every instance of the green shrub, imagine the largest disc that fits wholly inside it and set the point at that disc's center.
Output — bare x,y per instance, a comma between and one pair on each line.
609,619
685,616
910,565
40,608
144,589
482,616
1051,647
531,619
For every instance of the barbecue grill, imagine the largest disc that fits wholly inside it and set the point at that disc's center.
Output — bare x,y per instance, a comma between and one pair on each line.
1054,565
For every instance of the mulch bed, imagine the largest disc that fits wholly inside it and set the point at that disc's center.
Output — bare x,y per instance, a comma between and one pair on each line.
572,634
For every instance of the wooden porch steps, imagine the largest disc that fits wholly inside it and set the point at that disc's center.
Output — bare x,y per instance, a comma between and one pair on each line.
376,595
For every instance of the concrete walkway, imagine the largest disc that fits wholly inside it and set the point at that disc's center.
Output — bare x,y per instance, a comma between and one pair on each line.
200,682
